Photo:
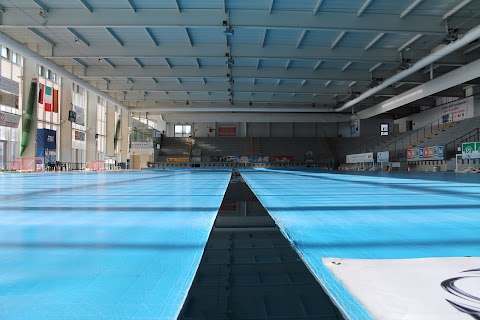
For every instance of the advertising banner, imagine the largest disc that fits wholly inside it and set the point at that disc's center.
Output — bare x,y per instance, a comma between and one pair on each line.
471,150
9,120
426,153
383,156
46,145
458,110
178,159
360,158
227,130
282,159
142,145
9,100
9,85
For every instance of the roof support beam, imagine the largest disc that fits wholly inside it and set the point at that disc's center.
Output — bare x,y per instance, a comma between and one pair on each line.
178,6
300,39
168,62
409,42
270,7
317,65
140,64
449,80
473,48
112,33
410,8
364,7
80,62
328,83
153,18
374,41
43,37
317,7
152,37
41,5
188,37
375,67
79,37
338,39
86,5
264,37
456,9
240,51
288,64
347,65
2,9
130,2
197,63
107,61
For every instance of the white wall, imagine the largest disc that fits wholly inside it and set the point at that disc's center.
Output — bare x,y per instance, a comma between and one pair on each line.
428,116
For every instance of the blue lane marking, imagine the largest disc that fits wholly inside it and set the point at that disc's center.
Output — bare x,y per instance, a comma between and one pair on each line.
103,245
369,216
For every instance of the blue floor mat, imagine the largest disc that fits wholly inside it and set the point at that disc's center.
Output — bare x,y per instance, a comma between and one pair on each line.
372,216
120,245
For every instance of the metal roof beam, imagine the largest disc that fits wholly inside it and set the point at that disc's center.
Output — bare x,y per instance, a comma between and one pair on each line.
317,65
374,41
244,72
178,6
137,61
409,42
152,37
456,9
107,61
189,38
86,5
130,2
270,7
112,33
338,39
300,39
43,37
410,8
264,37
364,7
317,7
41,5
347,65
339,21
78,36
242,51
80,62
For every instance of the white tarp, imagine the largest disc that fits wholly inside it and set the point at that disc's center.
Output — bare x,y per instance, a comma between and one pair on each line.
360,158
407,289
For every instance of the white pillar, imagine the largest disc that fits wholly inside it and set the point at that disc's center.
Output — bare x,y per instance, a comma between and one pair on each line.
92,103
65,124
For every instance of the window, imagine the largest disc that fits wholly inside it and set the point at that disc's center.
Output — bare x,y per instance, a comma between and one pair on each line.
5,52
183,130
384,129
15,58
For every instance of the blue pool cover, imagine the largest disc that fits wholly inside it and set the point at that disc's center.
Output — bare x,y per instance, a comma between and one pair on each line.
103,245
373,216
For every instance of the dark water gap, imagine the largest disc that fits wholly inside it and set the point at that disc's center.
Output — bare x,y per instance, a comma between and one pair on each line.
250,271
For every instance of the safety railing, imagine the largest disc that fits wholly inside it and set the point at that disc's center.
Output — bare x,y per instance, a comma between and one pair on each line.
451,148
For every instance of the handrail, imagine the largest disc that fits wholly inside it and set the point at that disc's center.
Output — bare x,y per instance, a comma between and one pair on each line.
417,131
463,138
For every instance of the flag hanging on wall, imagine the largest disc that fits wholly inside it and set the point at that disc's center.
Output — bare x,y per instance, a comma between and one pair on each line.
55,100
48,98
40,93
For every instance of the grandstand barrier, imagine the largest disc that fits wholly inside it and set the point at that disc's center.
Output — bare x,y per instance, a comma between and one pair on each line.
35,164
169,165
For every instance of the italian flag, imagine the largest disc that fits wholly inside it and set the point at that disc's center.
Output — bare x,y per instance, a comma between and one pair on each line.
48,98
